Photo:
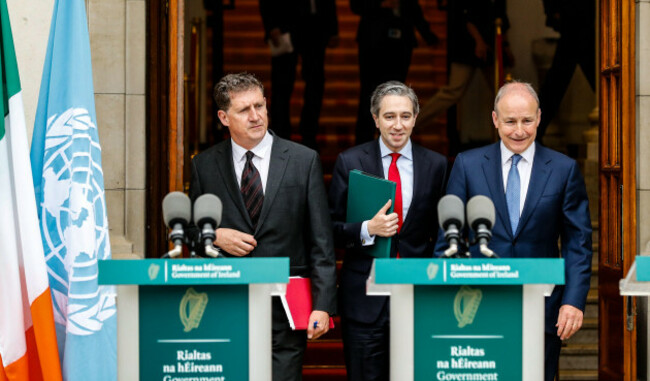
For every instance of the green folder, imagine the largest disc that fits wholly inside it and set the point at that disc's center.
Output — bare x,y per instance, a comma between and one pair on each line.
366,195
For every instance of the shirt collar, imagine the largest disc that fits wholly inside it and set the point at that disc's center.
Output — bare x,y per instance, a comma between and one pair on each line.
406,151
260,150
527,155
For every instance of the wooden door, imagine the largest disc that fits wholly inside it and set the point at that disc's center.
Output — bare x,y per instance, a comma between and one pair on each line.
164,110
617,208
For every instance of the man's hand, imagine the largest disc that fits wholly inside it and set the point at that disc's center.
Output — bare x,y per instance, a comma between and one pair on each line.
481,49
275,34
322,319
382,224
235,242
569,321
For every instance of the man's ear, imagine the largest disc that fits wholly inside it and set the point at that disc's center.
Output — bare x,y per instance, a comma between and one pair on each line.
376,119
223,117
495,118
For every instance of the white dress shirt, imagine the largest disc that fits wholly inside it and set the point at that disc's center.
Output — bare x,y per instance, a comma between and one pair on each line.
261,160
524,166
405,168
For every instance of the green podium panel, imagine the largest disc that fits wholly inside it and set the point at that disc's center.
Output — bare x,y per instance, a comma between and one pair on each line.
466,319
197,319
194,331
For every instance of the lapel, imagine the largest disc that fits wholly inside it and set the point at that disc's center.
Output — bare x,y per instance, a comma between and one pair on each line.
494,178
418,176
226,168
539,176
277,166
371,163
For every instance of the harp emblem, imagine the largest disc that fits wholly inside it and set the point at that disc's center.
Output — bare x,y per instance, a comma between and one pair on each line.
191,308
466,304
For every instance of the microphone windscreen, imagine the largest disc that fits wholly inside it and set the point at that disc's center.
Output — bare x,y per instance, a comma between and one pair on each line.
480,209
176,207
451,210
208,206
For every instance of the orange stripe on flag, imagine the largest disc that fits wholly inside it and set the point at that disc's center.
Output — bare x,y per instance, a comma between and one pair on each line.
41,361
16,371
41,340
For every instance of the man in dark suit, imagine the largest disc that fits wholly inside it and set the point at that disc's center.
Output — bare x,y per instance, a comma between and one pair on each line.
274,204
420,174
386,38
312,26
540,198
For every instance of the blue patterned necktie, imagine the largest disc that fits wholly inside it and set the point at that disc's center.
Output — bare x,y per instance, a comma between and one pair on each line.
512,193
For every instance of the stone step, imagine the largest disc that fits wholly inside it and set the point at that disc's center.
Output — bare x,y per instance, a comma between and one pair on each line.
578,375
579,356
591,309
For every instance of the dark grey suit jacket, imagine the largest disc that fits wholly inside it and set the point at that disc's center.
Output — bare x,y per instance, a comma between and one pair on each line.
294,221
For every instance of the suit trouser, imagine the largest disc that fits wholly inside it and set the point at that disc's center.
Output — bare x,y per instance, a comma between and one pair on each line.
366,348
283,78
552,346
573,49
288,346
378,65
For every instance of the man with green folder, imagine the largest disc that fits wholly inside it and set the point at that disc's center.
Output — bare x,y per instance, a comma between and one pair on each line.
420,177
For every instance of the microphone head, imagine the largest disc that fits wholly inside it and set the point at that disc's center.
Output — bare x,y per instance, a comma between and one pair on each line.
207,209
451,211
177,208
480,210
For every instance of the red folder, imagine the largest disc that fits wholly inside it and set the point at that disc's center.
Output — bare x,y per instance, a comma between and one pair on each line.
297,303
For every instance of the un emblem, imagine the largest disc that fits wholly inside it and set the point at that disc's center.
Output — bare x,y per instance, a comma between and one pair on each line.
153,271
191,308
466,304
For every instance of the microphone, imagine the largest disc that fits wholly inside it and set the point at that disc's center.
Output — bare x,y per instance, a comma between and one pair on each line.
480,216
451,217
207,217
177,211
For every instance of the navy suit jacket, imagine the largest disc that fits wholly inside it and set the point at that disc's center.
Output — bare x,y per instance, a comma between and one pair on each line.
417,236
556,208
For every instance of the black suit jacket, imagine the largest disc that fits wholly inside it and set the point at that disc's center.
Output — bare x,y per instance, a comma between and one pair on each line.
416,238
295,17
377,24
294,221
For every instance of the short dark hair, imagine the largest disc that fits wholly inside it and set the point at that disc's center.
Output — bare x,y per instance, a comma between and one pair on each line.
508,87
392,88
234,83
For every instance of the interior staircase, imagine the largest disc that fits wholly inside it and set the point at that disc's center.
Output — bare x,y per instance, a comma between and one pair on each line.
245,50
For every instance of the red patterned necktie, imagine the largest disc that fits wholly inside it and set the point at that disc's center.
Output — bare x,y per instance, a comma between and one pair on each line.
393,175
251,189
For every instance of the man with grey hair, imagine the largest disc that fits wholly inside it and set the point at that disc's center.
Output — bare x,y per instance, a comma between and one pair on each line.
274,204
540,198
420,176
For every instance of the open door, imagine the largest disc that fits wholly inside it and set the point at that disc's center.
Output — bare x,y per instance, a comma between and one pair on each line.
164,112
617,208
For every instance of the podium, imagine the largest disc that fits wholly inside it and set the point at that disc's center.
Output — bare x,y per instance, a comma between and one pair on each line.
637,283
195,318
455,319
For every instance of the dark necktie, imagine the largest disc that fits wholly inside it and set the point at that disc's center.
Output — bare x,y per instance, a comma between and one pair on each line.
251,189
513,188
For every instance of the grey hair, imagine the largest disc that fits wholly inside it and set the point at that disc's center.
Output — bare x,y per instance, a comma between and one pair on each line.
392,88
510,86
234,83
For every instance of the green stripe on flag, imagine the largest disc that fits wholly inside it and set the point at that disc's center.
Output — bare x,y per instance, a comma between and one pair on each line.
8,64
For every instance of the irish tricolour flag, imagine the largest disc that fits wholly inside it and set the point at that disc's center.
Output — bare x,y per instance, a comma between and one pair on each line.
28,347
